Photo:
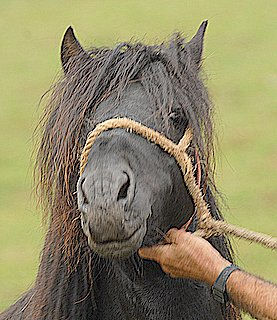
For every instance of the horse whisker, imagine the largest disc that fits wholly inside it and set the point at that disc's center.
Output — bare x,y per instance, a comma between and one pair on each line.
165,238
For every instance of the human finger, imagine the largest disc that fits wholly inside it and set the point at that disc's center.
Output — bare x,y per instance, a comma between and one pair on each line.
152,253
174,276
171,271
173,235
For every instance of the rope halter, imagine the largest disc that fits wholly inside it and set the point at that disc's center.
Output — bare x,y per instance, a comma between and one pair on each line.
207,226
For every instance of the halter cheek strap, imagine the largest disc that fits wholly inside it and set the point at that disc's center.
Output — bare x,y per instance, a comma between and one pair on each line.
198,180
207,226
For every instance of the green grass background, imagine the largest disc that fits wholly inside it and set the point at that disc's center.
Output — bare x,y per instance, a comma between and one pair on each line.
241,68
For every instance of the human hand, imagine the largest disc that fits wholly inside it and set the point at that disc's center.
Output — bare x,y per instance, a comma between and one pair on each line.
186,256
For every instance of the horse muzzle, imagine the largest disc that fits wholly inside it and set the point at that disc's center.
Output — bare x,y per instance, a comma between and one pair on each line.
105,199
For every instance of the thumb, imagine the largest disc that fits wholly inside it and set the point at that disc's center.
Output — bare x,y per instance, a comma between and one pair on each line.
152,253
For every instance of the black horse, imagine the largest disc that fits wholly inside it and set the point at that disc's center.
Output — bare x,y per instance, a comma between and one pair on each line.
131,191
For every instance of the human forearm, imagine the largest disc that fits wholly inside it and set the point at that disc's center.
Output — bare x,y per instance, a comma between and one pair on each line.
253,295
249,293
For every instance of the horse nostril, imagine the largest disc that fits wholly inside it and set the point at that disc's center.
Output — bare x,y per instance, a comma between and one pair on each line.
123,192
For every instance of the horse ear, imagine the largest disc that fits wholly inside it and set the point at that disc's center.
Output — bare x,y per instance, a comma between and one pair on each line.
70,47
196,43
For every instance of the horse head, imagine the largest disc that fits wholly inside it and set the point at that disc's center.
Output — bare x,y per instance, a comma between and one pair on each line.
131,192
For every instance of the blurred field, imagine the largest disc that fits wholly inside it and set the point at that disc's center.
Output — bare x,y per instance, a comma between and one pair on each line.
241,68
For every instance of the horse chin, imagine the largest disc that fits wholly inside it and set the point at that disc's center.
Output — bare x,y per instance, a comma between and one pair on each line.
119,249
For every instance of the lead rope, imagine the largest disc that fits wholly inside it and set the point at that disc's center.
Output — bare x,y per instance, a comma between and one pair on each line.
207,226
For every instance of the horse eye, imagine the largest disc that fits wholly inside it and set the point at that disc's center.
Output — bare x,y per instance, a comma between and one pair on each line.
173,116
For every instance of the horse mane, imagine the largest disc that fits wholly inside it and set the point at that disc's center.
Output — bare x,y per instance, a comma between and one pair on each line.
172,81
